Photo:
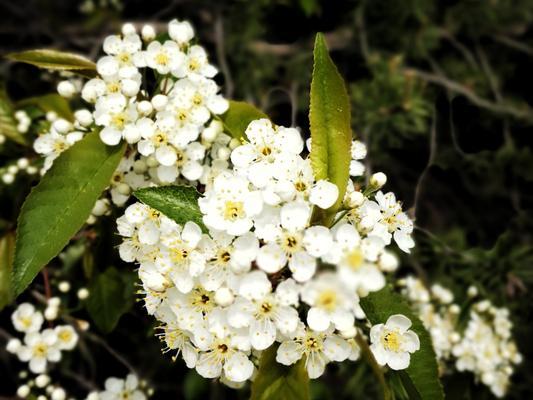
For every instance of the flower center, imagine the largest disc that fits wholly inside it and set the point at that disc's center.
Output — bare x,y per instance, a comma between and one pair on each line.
391,341
118,120
291,243
65,336
300,186
162,59
233,210
39,350
327,299
355,259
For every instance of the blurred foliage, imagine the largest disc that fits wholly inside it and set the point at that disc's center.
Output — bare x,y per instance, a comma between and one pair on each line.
441,93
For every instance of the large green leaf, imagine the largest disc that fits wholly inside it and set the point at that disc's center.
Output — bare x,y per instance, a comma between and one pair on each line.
278,382
238,116
59,205
111,295
421,378
50,102
8,123
56,60
7,249
329,117
179,203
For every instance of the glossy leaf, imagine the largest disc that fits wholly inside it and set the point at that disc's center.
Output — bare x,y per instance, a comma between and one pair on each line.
422,376
329,117
179,203
60,204
7,249
238,117
278,382
56,60
111,296
8,123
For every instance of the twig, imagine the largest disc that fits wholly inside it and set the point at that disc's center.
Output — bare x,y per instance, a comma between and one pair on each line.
221,56
110,350
514,44
376,369
47,289
526,114
431,159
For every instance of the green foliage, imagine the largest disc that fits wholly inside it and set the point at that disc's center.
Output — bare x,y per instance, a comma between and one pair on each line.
278,382
179,203
329,118
111,296
238,117
56,60
421,378
59,205
8,124
50,102
7,249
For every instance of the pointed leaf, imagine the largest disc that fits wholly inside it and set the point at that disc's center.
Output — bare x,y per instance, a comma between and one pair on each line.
422,374
8,123
279,382
60,204
56,60
179,203
7,249
239,116
329,117
111,296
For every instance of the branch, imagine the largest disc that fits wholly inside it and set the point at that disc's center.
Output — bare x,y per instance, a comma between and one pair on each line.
376,369
502,108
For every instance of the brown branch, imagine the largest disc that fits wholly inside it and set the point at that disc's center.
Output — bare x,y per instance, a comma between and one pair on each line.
499,108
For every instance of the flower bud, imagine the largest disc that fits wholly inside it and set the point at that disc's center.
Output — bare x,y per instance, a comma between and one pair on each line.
378,180
224,297
148,33
159,101
83,293
128,29
64,286
23,391
66,89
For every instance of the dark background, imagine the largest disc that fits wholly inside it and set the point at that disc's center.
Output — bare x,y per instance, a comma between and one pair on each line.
441,94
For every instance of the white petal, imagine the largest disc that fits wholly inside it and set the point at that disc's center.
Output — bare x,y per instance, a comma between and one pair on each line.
288,352
399,321
238,368
336,348
317,319
399,361
324,194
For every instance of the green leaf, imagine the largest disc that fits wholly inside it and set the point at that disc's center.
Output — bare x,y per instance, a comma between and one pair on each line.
331,134
56,60
422,374
60,204
279,382
8,123
50,102
111,295
239,116
179,203
7,249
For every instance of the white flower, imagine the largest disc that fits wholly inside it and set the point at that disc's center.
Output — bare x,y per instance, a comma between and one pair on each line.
38,349
163,57
118,389
393,342
355,259
230,206
26,319
67,338
180,31
324,194
319,349
330,301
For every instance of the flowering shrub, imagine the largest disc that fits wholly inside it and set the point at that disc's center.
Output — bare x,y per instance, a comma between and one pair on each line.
262,256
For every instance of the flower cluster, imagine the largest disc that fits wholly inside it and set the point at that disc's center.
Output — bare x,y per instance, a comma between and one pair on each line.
242,284
118,389
39,346
159,97
481,342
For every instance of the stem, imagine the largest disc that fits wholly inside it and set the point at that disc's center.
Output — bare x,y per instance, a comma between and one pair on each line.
376,368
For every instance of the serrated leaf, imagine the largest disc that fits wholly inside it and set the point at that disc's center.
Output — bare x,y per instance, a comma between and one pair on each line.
179,203
238,117
279,382
50,102
422,372
7,249
329,118
56,60
111,296
60,204
8,123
